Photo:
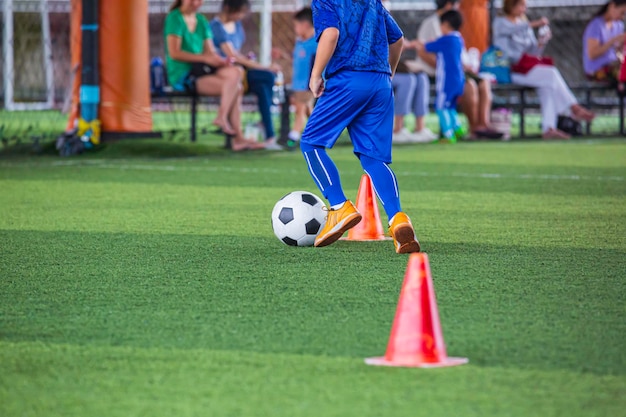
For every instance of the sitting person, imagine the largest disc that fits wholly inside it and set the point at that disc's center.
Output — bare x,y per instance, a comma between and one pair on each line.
411,94
193,64
476,100
229,37
603,38
514,35
303,58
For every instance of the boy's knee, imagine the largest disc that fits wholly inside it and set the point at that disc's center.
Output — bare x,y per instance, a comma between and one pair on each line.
307,147
368,161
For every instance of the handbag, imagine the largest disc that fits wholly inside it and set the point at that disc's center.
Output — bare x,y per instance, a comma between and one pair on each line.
528,62
569,126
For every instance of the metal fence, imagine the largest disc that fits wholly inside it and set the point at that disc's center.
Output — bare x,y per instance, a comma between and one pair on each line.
268,25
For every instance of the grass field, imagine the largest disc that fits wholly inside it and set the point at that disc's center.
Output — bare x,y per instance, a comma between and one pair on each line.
137,285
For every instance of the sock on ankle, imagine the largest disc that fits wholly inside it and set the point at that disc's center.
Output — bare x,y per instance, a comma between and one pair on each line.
294,135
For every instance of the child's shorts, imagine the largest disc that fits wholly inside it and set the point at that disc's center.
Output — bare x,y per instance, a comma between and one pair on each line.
448,98
362,102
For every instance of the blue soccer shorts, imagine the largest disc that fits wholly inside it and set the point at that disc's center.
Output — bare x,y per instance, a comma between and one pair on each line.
362,102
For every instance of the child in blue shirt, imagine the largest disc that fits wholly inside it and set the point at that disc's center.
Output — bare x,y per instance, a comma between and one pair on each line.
359,46
450,75
303,57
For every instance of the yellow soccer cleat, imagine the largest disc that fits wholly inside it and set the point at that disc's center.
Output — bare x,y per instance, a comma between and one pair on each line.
403,234
337,222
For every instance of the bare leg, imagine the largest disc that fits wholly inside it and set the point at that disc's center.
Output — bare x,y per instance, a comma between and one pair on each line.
398,123
484,105
239,143
582,113
420,123
225,83
469,103
301,116
234,113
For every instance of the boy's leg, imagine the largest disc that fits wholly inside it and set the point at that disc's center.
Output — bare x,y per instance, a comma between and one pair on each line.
299,120
445,123
330,117
459,131
385,184
371,133
342,214
324,173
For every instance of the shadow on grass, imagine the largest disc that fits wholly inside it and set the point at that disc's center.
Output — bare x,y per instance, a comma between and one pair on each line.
503,306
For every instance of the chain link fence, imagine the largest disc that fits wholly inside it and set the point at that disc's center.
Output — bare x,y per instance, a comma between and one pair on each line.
568,20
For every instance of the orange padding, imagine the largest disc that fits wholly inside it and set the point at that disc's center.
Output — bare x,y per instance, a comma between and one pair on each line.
475,29
75,47
124,66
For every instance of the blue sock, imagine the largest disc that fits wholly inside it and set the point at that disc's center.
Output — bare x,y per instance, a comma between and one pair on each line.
446,123
385,184
454,117
324,173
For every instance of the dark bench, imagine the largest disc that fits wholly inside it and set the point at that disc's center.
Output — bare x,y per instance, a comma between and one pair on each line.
194,99
517,98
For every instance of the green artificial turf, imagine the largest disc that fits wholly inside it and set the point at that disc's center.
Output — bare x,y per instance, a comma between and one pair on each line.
135,285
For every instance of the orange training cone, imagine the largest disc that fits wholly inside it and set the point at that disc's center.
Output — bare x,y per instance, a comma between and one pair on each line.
370,227
416,339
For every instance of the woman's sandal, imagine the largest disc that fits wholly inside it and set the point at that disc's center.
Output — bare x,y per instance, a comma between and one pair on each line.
246,145
553,133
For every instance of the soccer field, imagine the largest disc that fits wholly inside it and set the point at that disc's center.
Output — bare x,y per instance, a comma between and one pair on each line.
148,286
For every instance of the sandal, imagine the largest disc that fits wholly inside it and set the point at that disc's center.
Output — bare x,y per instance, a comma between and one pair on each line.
553,133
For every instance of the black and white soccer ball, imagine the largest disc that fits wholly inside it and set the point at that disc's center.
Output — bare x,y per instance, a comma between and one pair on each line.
298,217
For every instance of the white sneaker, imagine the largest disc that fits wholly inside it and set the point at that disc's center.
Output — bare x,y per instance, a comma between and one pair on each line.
403,136
423,136
272,145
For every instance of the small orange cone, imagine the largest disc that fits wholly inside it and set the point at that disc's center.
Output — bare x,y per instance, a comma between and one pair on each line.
416,339
370,227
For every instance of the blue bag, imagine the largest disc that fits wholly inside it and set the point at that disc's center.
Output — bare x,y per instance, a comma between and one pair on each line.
495,62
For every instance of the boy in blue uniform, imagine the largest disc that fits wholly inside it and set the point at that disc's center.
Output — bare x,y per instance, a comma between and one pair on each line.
359,46
450,75
303,57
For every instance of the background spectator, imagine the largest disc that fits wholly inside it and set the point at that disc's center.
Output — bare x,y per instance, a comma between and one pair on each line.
229,37
514,34
603,38
192,63
303,58
476,99
450,74
411,95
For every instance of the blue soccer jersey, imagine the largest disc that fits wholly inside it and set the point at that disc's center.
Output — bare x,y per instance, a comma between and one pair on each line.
303,57
366,29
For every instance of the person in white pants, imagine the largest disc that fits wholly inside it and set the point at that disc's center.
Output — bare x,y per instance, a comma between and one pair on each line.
514,35
554,95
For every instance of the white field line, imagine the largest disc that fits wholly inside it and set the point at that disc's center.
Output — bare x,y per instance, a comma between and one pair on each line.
126,165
